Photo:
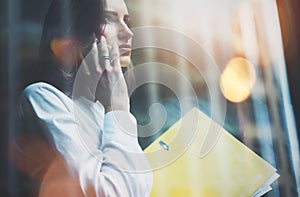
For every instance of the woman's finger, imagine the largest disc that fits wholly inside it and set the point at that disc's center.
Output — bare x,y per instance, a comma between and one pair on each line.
93,59
104,54
84,67
115,62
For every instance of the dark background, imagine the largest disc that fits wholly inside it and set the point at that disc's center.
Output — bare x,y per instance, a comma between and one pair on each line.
25,18
289,14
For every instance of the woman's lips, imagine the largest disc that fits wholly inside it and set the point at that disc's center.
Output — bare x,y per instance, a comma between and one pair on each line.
125,49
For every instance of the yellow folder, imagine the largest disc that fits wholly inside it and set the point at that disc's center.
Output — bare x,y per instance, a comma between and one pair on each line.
227,169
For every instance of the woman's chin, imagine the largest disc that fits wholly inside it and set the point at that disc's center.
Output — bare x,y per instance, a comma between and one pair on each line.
125,61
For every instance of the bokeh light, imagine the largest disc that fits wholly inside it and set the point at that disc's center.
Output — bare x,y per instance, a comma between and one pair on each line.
237,79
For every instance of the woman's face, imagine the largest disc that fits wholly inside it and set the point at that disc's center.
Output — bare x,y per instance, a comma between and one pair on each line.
117,28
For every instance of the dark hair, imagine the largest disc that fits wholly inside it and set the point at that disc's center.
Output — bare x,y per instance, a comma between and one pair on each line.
76,19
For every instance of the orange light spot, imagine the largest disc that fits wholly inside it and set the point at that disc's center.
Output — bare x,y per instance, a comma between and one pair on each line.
65,50
237,80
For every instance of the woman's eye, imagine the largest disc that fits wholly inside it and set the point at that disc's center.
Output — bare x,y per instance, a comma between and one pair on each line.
107,20
110,19
127,21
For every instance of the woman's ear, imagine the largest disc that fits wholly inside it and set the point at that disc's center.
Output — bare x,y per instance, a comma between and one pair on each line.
66,50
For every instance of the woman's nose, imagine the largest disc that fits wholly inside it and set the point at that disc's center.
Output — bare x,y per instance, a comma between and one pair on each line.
124,32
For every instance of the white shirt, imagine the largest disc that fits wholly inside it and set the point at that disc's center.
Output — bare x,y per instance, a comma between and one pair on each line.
103,148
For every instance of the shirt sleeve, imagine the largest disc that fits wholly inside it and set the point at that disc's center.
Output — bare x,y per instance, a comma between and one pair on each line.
116,166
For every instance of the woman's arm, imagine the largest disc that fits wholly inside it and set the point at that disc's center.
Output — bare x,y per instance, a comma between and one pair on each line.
116,166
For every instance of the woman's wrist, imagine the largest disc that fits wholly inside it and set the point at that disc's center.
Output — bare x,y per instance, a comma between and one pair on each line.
122,107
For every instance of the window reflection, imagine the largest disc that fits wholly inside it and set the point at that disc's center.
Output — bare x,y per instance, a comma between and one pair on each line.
258,111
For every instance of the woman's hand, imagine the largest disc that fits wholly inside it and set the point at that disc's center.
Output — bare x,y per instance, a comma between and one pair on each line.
100,77
111,90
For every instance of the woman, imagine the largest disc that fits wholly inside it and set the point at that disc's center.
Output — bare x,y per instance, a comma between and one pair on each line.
76,126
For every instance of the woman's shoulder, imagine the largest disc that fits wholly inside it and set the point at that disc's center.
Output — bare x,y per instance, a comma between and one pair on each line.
42,93
40,87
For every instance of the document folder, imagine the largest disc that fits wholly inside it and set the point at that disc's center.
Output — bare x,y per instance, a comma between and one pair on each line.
229,168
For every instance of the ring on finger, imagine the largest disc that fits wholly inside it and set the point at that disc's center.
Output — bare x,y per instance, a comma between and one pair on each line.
106,57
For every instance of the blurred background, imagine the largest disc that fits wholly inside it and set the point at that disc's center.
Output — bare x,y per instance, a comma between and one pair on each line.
254,45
